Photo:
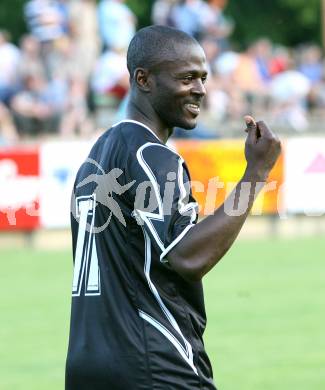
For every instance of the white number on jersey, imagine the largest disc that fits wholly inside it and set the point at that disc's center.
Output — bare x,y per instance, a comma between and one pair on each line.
86,269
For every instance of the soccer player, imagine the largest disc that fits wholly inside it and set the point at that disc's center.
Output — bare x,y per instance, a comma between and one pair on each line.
138,314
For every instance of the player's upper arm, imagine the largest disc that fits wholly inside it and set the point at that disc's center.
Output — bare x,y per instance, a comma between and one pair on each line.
163,204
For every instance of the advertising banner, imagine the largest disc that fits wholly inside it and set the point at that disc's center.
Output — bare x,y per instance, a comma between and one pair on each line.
305,176
19,188
60,162
216,167
36,182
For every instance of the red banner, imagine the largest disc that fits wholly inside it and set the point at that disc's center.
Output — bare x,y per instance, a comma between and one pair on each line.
19,188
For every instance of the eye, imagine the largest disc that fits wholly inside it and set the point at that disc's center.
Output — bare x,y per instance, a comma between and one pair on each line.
187,79
204,79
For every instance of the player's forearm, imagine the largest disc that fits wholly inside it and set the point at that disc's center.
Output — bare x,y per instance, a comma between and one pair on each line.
208,241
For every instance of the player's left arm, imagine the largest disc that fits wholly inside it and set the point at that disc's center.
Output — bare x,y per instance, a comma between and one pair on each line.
207,242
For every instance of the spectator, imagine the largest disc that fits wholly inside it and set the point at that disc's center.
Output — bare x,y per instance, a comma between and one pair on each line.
76,118
316,99
211,50
46,19
247,75
30,57
117,24
9,60
47,22
8,132
261,50
280,60
248,81
34,108
216,24
189,16
85,35
62,6
68,89
110,75
66,62
289,91
226,101
161,11
109,85
226,63
216,99
311,64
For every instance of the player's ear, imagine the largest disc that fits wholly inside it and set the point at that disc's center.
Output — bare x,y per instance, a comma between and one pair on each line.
142,79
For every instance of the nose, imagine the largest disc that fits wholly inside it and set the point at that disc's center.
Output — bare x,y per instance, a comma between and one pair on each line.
199,88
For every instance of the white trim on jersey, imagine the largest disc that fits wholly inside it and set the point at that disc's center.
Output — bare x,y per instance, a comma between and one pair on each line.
148,216
186,352
176,241
161,328
86,266
183,207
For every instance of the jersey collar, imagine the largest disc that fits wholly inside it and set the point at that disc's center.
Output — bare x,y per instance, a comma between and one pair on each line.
140,124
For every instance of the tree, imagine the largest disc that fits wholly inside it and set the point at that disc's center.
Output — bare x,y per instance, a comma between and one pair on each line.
142,10
12,18
289,22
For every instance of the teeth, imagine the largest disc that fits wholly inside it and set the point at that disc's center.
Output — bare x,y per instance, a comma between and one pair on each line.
194,106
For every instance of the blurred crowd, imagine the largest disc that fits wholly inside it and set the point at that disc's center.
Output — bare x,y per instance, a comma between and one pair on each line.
68,75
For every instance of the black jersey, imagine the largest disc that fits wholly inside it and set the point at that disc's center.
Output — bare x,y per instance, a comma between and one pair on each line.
135,323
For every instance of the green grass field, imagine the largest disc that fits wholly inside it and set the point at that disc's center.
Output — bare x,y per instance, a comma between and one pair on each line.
265,305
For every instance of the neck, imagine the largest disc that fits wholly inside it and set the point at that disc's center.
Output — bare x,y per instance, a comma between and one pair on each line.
146,115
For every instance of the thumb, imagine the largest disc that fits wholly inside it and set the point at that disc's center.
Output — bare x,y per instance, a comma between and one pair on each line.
250,122
251,128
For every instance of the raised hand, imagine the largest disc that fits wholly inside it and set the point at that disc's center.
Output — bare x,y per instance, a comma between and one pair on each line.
262,148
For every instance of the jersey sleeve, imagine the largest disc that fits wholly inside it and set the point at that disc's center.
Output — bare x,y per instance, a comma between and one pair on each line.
163,203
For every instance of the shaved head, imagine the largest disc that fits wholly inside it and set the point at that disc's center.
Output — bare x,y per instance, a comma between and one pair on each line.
153,45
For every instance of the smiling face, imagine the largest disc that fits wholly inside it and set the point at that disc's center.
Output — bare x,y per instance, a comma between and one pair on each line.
178,86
